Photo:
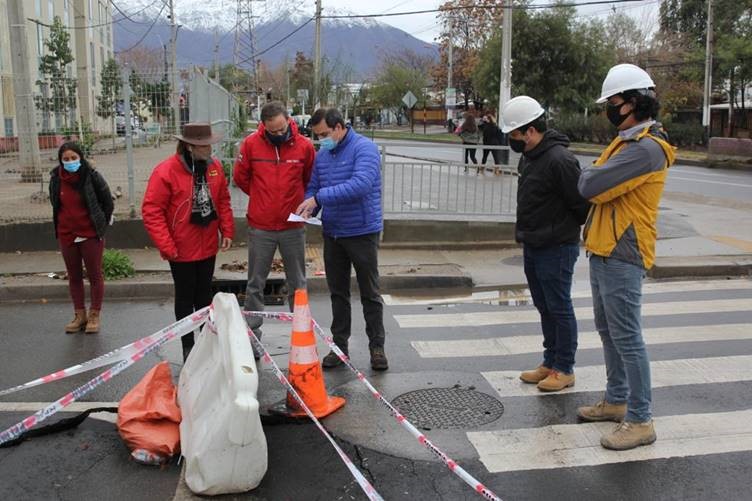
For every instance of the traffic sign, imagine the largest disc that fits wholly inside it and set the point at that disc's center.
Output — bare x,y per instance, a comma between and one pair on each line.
409,99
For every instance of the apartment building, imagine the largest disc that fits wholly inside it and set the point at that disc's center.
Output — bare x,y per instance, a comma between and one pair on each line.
90,26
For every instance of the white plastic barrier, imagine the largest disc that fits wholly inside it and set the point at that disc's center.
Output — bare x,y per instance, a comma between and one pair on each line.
221,436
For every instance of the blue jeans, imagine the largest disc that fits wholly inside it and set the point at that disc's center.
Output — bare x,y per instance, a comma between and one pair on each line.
617,298
549,275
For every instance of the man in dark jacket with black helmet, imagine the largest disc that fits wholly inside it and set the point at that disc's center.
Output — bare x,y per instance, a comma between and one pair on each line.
550,211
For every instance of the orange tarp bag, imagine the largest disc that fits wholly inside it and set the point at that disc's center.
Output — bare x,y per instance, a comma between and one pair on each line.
149,417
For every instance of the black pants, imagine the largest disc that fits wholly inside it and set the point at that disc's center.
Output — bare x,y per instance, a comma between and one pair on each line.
495,154
470,152
192,290
340,255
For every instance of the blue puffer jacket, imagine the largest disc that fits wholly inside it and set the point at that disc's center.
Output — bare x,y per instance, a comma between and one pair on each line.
347,185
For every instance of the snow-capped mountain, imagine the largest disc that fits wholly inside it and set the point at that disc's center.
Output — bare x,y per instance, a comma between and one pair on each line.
357,42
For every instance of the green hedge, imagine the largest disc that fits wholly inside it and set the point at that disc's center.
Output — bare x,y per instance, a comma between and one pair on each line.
597,129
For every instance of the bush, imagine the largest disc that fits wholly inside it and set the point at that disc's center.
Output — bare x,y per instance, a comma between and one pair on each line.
685,134
582,129
116,265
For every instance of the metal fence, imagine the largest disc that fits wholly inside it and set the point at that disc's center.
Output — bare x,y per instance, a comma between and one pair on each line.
419,180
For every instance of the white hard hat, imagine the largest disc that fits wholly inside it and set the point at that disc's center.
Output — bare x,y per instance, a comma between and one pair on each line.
624,77
519,111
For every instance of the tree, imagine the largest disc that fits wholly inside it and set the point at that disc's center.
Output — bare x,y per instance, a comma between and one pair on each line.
468,25
110,89
546,46
400,72
58,89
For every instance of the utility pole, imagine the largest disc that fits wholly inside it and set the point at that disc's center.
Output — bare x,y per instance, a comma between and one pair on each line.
287,82
129,141
317,58
24,100
173,73
450,107
216,56
505,80
708,73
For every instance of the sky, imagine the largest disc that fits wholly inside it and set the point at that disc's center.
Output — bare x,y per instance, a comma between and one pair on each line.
426,26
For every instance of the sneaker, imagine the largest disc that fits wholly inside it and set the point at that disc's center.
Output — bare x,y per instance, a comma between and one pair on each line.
556,381
603,411
378,359
331,360
535,376
628,435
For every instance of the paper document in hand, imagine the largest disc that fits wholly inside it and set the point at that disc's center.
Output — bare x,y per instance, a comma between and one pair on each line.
294,218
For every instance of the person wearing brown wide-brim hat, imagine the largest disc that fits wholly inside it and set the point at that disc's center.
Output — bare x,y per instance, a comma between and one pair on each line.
186,210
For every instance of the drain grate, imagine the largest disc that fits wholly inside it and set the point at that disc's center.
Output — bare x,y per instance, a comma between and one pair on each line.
448,408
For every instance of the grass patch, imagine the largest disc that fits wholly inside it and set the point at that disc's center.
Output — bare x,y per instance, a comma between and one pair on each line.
117,265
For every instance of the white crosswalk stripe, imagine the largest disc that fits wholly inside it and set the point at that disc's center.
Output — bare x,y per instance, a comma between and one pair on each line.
705,431
517,345
663,373
573,445
582,313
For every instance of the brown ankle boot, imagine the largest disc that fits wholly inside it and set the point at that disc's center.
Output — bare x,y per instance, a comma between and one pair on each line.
78,322
92,325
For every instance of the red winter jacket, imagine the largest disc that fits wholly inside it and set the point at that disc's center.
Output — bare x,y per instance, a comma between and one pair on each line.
167,211
274,178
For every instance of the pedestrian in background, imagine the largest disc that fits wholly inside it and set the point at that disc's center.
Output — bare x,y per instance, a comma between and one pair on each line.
81,211
470,135
273,168
185,210
491,137
550,212
346,188
625,186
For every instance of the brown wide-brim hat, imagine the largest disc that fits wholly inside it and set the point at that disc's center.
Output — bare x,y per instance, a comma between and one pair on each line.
199,134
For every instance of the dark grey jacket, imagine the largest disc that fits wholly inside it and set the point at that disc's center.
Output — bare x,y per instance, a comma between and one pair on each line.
95,193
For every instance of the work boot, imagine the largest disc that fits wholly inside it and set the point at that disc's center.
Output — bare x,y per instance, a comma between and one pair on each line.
92,324
628,435
556,381
603,411
378,359
331,360
536,375
78,322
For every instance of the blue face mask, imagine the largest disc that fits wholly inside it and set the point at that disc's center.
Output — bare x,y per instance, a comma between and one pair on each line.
328,143
72,166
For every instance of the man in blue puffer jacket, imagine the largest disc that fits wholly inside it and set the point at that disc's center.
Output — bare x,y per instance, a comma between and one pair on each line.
346,187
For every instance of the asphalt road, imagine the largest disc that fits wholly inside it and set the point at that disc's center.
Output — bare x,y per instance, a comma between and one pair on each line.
699,335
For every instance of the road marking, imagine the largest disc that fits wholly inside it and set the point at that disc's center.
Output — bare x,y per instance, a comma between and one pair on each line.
737,185
570,445
744,245
516,345
663,373
72,407
582,313
523,294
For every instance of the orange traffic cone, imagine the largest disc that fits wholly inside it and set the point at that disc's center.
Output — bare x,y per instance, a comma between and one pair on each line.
304,368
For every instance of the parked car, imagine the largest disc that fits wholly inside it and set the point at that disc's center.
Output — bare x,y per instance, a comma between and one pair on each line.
120,125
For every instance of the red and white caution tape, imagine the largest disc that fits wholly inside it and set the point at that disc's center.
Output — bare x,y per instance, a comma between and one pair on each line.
176,330
368,489
452,465
112,357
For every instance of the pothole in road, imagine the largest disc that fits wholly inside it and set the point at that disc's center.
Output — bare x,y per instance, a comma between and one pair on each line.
448,408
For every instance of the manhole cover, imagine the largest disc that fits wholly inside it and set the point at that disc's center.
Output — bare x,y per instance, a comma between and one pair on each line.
448,408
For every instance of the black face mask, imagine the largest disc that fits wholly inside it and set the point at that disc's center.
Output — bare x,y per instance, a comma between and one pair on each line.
613,112
517,145
278,140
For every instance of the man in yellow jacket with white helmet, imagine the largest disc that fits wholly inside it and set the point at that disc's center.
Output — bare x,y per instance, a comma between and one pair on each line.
625,186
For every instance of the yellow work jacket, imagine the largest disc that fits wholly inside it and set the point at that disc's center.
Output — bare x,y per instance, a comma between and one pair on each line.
625,185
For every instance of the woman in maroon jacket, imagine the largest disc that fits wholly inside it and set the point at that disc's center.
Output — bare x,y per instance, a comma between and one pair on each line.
186,207
81,210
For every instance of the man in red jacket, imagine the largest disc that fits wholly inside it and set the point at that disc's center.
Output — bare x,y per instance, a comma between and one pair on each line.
273,168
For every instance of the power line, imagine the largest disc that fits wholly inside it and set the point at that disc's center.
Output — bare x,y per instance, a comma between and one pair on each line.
467,7
86,27
164,4
275,44
128,16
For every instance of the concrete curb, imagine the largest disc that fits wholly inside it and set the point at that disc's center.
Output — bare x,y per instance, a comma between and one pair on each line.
164,288
701,267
